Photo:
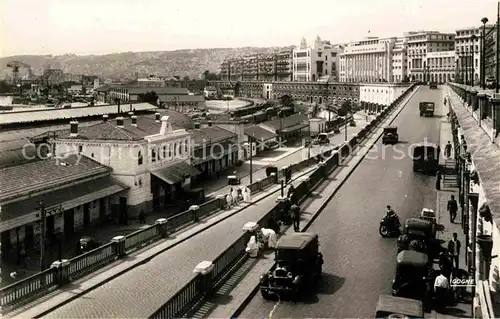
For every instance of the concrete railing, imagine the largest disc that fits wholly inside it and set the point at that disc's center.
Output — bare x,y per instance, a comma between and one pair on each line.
205,282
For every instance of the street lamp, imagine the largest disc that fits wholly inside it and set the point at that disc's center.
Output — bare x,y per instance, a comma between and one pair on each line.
472,47
483,47
43,220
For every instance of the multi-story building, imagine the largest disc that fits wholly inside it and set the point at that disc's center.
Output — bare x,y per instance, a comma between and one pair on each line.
259,67
399,61
441,66
490,53
419,44
369,60
465,48
312,63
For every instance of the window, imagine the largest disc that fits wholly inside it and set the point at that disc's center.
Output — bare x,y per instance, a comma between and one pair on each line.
164,152
153,155
181,148
186,146
80,149
175,149
92,155
139,158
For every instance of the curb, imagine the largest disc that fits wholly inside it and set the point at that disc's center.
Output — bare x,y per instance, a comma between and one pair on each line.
147,259
321,208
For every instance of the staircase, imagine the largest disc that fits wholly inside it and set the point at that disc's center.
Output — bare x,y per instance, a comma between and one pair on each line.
449,174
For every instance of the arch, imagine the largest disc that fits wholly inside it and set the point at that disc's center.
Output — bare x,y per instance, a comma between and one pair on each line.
345,99
350,99
355,100
320,100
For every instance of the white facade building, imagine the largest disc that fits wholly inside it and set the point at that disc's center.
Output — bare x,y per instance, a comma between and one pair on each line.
369,60
441,66
400,61
420,43
133,157
383,94
464,46
312,63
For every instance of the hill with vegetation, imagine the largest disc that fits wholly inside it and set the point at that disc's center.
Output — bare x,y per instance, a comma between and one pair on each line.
181,63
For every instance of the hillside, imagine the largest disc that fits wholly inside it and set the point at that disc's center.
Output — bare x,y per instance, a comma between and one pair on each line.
123,65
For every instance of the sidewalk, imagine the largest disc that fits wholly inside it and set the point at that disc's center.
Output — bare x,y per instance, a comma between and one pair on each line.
462,309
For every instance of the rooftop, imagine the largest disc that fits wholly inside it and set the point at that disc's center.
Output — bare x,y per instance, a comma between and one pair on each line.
71,113
44,174
287,122
259,133
211,134
146,125
295,240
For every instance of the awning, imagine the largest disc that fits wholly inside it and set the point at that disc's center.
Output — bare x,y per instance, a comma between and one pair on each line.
295,127
176,173
26,211
259,133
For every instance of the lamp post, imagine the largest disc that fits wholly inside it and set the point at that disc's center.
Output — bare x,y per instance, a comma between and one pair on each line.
472,48
483,47
43,216
466,56
251,139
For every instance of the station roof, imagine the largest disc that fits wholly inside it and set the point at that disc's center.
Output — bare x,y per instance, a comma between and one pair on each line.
259,132
28,178
71,113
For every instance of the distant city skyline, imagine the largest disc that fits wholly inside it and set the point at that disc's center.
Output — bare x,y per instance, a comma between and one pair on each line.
80,27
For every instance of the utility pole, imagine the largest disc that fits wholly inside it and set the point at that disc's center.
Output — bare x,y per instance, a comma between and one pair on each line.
251,156
497,73
42,234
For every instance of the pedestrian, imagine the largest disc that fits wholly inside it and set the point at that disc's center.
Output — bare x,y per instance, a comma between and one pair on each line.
438,180
452,209
142,217
447,149
441,289
296,217
454,250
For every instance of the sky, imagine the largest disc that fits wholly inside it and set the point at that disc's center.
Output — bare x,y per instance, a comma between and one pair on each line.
109,26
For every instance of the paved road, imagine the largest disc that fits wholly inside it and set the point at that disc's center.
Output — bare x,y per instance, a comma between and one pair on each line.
359,264
141,291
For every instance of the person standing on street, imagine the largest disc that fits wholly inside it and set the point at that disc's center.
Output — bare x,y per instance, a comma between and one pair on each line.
452,209
454,250
447,149
296,217
142,217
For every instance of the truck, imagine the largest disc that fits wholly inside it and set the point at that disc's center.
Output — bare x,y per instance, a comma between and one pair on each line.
426,109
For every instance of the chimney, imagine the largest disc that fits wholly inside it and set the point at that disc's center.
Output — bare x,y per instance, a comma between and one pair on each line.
209,123
73,128
130,113
119,121
165,125
157,117
105,117
134,120
196,125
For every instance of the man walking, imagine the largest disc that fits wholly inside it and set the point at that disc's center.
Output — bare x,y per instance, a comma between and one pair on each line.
295,210
452,209
454,250
447,149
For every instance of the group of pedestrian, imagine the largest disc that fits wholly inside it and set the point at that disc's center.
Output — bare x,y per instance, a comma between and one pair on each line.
294,208
236,196
449,264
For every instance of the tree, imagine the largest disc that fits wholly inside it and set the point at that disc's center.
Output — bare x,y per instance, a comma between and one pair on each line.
149,97
5,88
186,78
206,74
237,88
83,91
345,108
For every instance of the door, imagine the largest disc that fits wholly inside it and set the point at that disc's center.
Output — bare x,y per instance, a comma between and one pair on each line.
69,222
102,209
122,210
86,215
49,227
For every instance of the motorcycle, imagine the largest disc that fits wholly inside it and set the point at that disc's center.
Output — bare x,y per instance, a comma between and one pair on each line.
388,227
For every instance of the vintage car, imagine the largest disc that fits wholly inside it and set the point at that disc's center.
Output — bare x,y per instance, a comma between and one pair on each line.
390,135
423,232
390,307
87,244
426,158
433,86
412,272
233,180
322,139
298,265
